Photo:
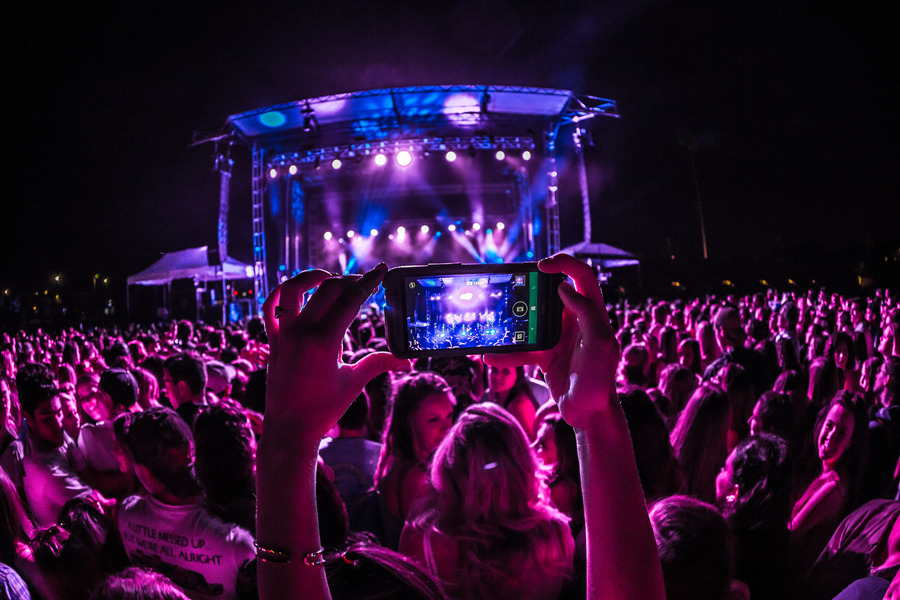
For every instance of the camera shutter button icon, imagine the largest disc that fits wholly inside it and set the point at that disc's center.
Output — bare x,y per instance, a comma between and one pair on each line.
520,309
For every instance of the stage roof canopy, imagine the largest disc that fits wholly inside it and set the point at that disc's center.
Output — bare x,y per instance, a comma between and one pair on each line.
394,113
190,263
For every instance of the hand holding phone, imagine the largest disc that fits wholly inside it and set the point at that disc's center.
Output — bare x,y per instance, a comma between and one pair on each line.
451,309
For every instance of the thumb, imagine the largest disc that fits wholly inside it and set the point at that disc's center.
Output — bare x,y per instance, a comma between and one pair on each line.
372,365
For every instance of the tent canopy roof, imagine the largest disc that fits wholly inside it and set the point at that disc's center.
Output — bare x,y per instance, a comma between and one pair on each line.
608,256
190,263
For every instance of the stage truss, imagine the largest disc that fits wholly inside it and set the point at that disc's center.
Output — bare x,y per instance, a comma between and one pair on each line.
330,188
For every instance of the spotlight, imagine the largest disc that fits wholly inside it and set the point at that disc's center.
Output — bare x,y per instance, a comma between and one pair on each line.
424,229
404,158
273,173
327,236
380,159
401,230
501,226
350,234
336,164
450,156
526,155
451,227
476,226
292,169
373,232
500,155
553,173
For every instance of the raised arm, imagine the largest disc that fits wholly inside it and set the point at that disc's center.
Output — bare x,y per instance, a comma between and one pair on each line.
308,389
580,370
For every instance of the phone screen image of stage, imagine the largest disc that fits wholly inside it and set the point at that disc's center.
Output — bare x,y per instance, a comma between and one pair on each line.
471,311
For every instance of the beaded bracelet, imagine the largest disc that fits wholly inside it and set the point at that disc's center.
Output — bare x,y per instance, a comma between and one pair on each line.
313,559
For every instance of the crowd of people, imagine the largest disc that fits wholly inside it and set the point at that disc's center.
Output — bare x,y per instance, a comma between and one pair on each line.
714,448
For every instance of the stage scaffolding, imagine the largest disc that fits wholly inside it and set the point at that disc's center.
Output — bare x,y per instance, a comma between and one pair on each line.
322,197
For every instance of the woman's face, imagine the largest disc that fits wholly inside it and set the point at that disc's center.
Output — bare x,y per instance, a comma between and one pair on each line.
502,379
754,422
725,482
835,436
841,354
545,445
430,423
96,407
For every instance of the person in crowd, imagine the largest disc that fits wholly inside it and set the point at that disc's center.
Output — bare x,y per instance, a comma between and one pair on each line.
16,531
730,339
753,491
677,383
689,355
840,443
135,583
219,376
46,466
866,543
185,379
148,387
487,527
421,415
580,371
465,375
9,415
709,349
226,464
842,351
119,390
557,452
700,440
696,549
658,468
884,434
368,571
168,529
634,366
774,413
353,458
511,389
736,383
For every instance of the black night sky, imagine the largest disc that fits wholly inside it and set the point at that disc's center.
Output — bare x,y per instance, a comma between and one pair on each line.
792,107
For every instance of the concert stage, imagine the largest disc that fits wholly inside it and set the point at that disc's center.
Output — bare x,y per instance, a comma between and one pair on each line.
458,173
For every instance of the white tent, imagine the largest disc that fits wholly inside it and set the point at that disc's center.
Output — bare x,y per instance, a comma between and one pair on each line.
609,257
192,263
187,264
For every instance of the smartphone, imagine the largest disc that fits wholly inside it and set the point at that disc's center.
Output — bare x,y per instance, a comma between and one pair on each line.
452,309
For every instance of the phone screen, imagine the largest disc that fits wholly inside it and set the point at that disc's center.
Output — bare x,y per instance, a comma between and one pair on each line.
471,310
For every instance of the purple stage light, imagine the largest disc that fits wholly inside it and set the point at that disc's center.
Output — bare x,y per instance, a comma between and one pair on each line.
450,156
526,155
292,169
373,232
380,159
350,234
336,164
500,155
424,229
500,226
327,236
404,158
273,173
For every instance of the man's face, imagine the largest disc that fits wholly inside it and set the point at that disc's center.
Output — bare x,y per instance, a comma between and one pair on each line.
47,423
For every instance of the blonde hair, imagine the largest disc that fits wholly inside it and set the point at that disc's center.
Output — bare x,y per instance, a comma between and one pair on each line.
487,494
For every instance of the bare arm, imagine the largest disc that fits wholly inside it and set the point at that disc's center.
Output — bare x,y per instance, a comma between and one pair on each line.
622,558
308,388
825,504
